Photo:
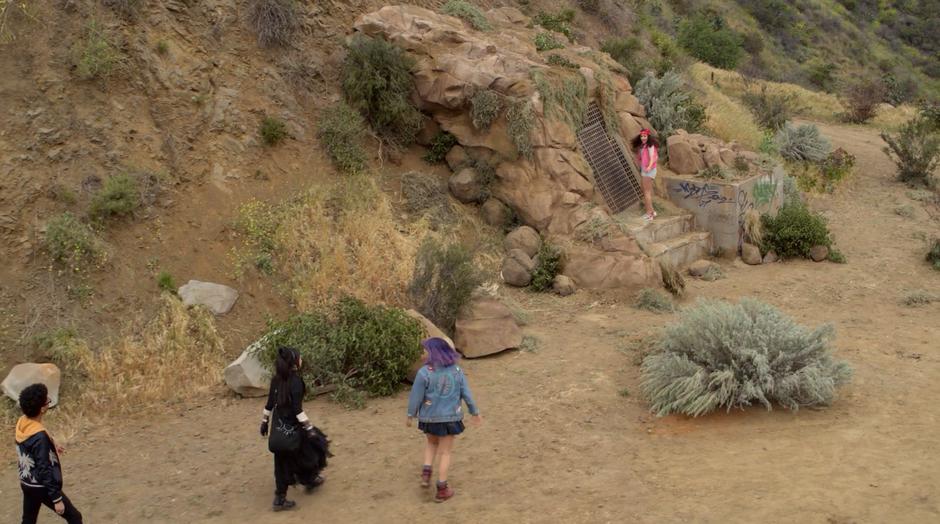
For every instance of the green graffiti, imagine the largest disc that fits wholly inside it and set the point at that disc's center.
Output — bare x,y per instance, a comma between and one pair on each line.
764,191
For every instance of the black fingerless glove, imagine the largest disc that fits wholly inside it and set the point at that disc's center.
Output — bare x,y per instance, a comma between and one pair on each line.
264,428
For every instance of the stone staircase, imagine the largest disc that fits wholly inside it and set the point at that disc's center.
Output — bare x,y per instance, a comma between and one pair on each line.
671,237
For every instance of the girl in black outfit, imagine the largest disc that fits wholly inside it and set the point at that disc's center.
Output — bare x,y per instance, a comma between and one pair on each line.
306,454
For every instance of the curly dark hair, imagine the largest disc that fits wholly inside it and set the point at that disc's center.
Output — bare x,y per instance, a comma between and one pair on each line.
650,140
32,399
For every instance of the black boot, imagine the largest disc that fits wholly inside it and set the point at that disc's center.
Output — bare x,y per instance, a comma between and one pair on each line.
281,503
314,484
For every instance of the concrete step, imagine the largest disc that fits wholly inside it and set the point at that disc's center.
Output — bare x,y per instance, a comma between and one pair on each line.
681,250
659,230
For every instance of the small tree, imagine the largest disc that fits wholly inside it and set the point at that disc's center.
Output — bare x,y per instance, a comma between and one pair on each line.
862,99
915,150
444,278
274,21
705,40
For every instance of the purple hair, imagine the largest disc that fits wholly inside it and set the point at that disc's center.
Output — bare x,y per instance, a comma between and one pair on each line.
440,354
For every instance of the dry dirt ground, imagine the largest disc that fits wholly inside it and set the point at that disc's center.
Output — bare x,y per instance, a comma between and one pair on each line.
567,436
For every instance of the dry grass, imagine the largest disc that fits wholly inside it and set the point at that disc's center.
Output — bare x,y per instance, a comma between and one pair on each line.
753,231
344,239
728,118
171,358
814,105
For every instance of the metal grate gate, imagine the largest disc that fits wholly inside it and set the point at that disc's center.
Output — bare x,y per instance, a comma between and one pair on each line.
614,174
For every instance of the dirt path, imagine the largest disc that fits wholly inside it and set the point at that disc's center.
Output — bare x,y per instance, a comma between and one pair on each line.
561,444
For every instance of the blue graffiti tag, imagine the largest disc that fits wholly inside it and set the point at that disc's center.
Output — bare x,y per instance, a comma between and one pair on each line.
706,194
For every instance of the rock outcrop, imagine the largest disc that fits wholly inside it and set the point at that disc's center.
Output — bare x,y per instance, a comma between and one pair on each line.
218,298
24,375
689,153
486,326
552,190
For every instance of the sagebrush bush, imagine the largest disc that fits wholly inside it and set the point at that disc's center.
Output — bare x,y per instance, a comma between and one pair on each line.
558,60
624,51
118,196
166,282
794,231
862,100
547,42
520,119
713,273
485,107
341,131
718,46
801,143
70,241
274,21
95,54
548,264
272,131
349,344
467,12
919,297
915,149
654,300
668,105
835,168
377,81
721,355
440,145
443,281
771,110
933,254
559,22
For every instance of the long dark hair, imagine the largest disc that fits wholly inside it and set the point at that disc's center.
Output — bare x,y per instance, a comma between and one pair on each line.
650,141
284,366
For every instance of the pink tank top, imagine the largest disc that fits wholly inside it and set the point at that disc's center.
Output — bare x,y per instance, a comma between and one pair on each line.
645,153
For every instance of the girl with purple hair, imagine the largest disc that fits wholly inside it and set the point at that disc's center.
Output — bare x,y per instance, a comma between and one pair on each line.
436,396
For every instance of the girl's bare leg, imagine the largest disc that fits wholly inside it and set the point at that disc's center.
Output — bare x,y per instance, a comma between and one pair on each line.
430,449
648,194
444,447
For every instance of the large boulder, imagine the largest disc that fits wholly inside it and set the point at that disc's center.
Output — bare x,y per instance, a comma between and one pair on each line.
486,326
592,269
456,158
700,267
24,375
818,253
524,238
430,331
684,157
466,185
563,285
517,268
495,213
218,298
246,375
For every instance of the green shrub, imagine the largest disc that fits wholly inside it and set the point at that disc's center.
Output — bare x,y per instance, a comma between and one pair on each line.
933,254
485,106
906,211
559,22
802,143
274,21
163,48
341,130
654,300
722,355
548,263
520,118
118,196
547,42
862,99
771,110
821,75
623,50
915,149
794,231
768,145
95,56
720,47
918,298
835,167
668,105
714,172
444,278
440,145
72,242
558,60
272,131
166,283
377,82
467,12
713,273
349,344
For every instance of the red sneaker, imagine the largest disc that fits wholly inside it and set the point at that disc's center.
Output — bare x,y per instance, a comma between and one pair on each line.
425,476
444,492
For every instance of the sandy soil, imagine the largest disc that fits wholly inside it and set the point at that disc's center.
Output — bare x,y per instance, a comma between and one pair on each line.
567,437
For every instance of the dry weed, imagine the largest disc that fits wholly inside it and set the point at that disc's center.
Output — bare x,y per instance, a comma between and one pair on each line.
728,118
753,231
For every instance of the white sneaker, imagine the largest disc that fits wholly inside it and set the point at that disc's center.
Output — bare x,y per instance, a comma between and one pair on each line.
648,218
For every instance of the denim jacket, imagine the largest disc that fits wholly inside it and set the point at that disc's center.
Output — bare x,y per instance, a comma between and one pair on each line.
436,395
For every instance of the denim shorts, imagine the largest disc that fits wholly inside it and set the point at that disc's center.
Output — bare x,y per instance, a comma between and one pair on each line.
650,174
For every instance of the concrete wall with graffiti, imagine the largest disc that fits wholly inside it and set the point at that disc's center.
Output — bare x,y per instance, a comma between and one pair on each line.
719,206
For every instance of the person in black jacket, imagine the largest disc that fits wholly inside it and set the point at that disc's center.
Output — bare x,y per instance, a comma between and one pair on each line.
306,453
40,470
